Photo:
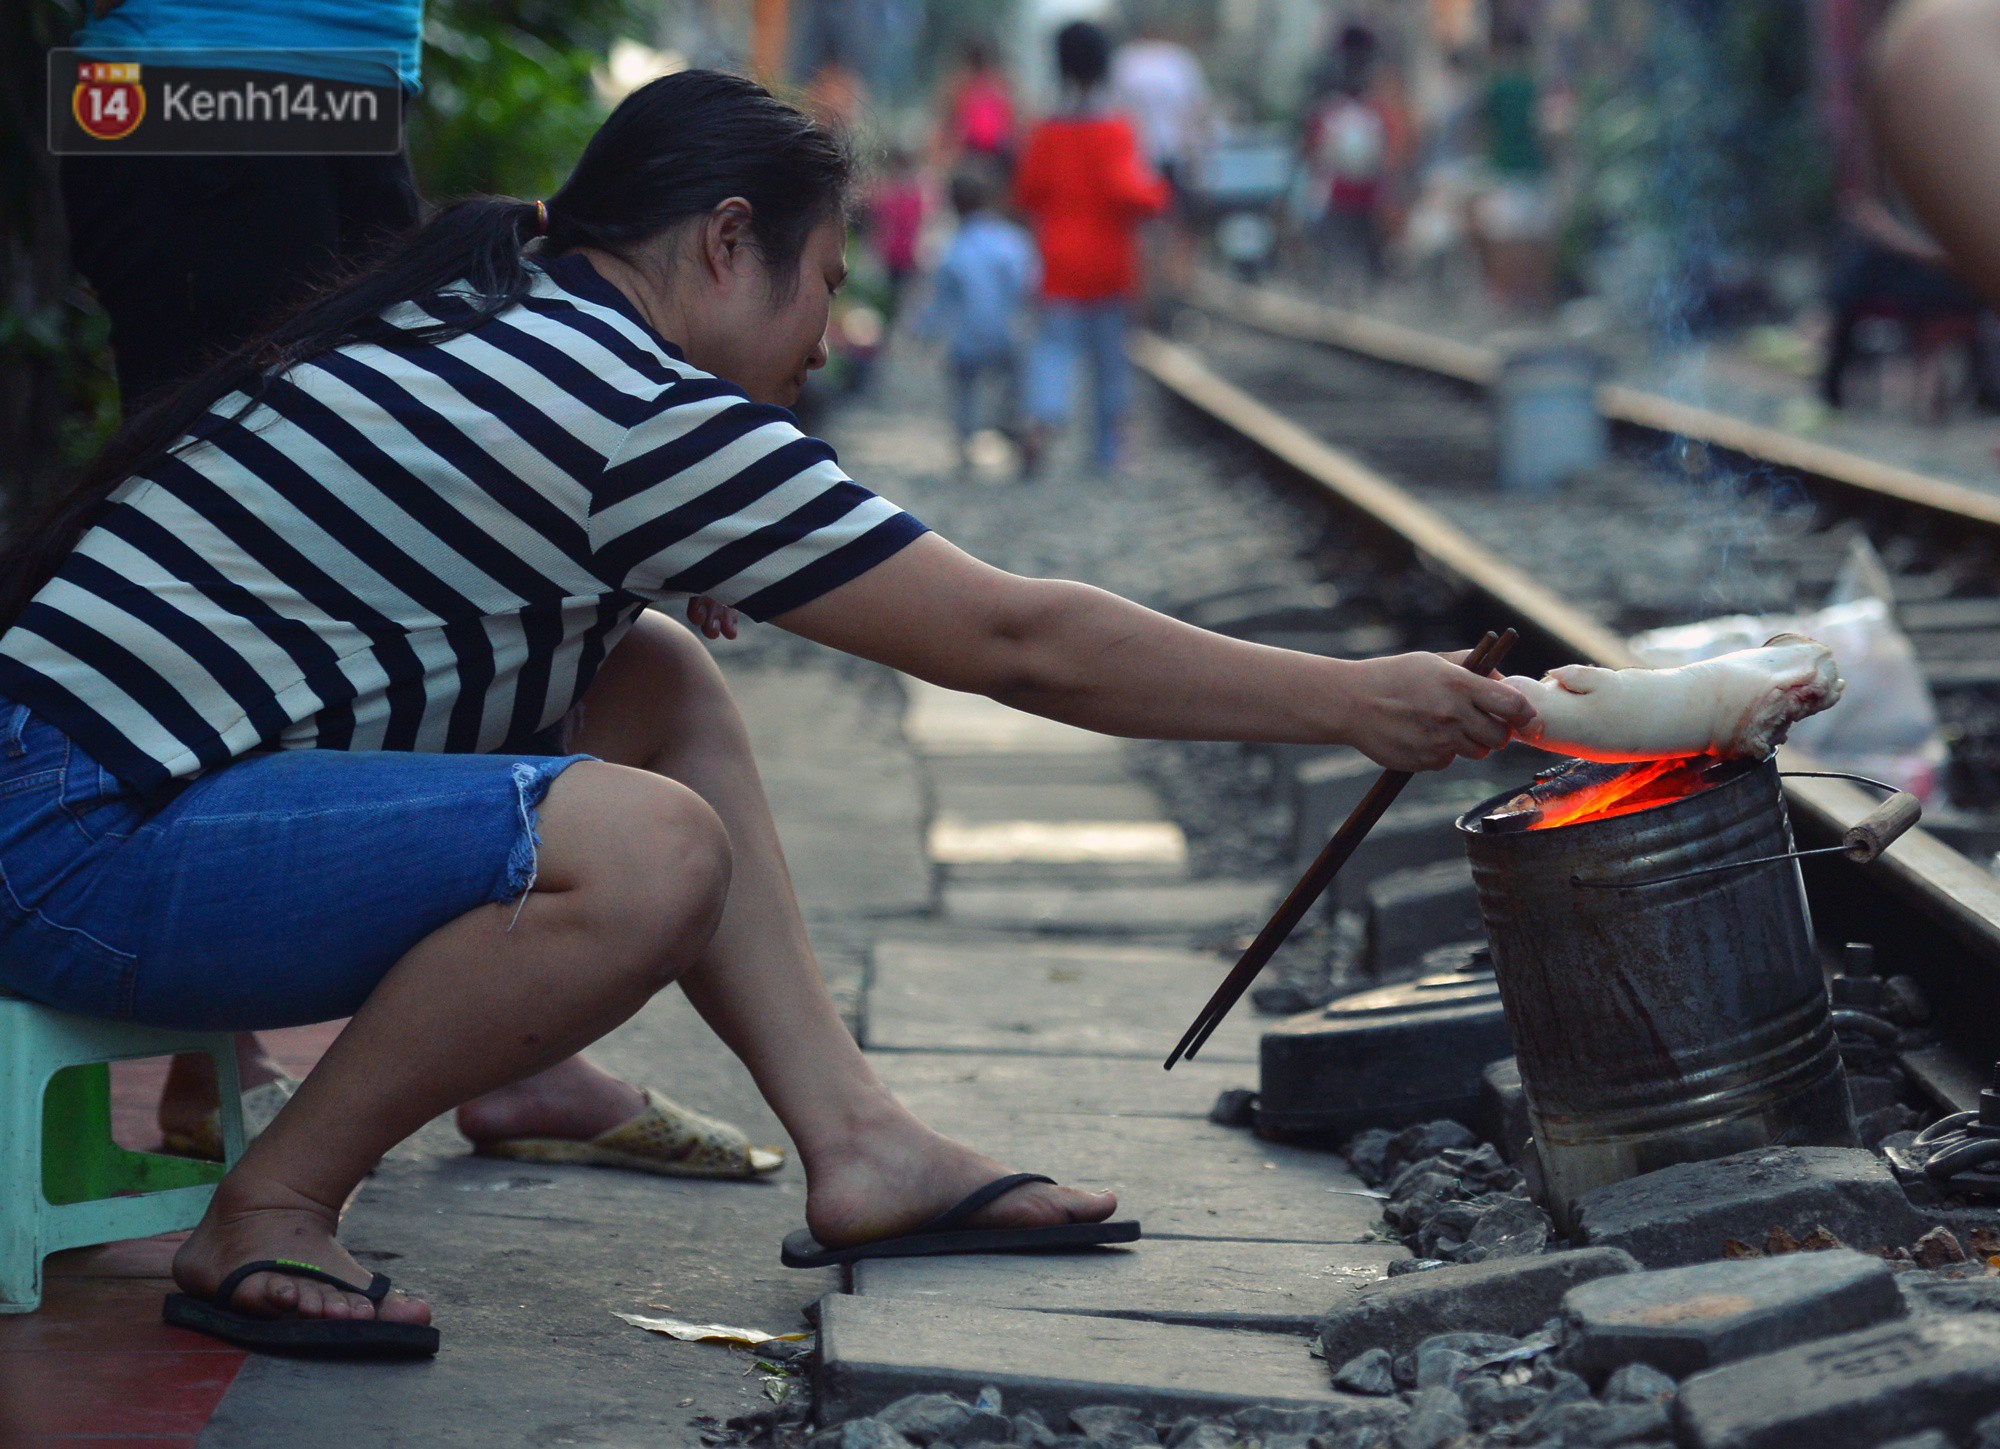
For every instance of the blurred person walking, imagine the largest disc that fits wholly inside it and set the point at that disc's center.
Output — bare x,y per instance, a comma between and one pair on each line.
1086,187
1159,83
1346,146
1515,215
192,255
978,117
979,309
897,208
1447,127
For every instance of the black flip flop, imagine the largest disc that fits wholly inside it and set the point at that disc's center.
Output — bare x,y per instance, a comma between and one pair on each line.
944,1234
323,1337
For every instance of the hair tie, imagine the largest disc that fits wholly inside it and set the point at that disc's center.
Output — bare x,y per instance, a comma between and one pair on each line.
541,218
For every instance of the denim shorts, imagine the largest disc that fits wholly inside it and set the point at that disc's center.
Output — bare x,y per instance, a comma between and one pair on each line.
275,891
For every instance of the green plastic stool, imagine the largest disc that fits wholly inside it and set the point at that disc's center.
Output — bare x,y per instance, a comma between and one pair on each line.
63,1182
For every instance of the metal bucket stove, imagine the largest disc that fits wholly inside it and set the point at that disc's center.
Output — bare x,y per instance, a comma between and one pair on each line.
1655,959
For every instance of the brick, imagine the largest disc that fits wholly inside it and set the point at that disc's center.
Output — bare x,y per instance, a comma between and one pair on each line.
1684,1320
1511,1296
1849,1392
1685,1213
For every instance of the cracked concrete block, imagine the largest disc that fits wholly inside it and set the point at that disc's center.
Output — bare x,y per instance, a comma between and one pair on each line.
1274,1287
1684,1320
874,1351
1685,1213
1849,1392
1511,1296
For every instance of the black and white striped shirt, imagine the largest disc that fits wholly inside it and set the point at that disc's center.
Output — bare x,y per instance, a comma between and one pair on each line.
430,548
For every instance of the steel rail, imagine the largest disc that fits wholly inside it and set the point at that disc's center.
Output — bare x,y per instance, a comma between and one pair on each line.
1304,320
1922,870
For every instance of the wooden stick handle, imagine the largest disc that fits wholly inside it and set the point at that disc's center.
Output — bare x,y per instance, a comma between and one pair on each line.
1319,875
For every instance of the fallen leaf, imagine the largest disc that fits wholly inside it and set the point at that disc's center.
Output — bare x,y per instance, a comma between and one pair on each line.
1819,1240
1779,1241
710,1332
1737,1248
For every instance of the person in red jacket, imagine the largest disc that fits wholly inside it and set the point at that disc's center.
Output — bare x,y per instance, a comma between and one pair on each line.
1085,186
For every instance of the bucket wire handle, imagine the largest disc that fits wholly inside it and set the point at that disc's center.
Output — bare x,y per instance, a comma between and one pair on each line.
1863,843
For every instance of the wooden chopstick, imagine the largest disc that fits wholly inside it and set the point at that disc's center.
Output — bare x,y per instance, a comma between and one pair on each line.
1490,651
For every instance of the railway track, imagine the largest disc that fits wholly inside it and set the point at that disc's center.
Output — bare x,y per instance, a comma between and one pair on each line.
1387,426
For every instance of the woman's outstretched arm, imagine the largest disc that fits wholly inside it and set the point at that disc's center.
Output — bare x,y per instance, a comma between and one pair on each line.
1086,657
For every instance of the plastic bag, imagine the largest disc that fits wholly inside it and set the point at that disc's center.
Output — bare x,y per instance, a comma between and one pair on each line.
1886,724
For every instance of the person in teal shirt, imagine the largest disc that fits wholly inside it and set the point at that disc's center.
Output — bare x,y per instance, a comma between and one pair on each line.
299,33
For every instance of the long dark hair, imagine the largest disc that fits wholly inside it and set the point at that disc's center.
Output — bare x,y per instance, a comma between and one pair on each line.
673,150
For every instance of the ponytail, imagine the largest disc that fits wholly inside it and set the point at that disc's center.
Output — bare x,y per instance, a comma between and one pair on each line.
673,150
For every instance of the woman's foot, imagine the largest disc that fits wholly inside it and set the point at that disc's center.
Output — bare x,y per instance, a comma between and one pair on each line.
245,1224
573,1101
189,1099
901,1174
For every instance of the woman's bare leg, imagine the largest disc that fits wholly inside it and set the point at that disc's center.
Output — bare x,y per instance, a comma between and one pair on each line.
633,872
872,1169
189,1093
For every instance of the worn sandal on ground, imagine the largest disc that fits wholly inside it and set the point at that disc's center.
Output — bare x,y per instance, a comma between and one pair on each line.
324,1337
666,1138
261,1105
946,1233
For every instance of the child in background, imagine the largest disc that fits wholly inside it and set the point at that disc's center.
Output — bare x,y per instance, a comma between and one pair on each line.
896,209
977,111
1085,184
979,306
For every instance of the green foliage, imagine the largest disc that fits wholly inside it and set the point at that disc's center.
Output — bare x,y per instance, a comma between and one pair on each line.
508,100
64,345
58,397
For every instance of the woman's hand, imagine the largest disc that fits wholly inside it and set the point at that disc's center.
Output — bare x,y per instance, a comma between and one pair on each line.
1422,711
715,621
